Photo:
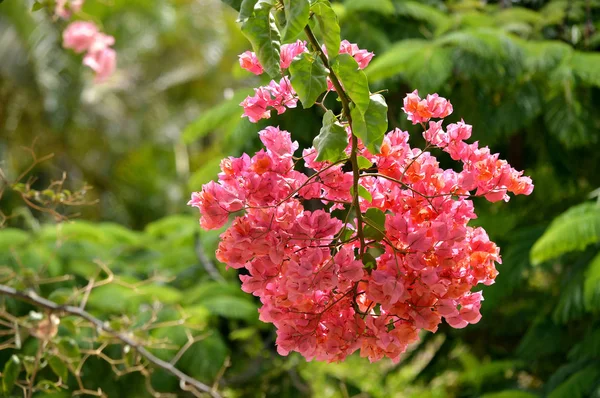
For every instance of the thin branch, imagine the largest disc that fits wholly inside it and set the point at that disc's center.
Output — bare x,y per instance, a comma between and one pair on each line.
34,299
353,154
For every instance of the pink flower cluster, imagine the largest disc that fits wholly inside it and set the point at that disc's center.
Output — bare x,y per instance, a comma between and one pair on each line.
363,57
83,36
287,53
280,95
305,265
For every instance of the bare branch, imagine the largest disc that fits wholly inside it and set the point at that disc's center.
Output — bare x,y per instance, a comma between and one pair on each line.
34,299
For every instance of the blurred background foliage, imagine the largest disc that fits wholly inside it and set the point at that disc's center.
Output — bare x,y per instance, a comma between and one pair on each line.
524,73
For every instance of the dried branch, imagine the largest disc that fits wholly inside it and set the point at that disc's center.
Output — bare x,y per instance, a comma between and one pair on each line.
32,298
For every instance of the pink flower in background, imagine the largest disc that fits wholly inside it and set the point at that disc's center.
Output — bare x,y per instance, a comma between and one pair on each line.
80,35
83,36
102,62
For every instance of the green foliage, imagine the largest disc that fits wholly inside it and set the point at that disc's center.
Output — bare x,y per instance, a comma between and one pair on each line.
332,139
525,76
372,126
262,32
309,78
296,17
573,230
328,23
353,80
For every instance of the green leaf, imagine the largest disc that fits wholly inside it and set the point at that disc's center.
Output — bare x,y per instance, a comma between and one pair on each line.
69,348
11,371
330,28
59,367
297,13
235,4
37,6
376,219
215,117
371,127
246,9
309,78
61,295
573,230
364,163
262,32
369,261
354,80
363,193
332,139
12,238
591,285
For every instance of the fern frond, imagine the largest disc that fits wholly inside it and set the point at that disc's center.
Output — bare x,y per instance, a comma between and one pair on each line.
588,348
215,117
518,14
392,61
544,55
591,285
574,230
421,12
586,67
578,385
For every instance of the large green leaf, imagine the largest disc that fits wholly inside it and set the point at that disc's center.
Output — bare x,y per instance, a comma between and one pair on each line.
309,78
371,127
262,32
354,80
235,4
11,371
330,28
297,13
332,139
573,230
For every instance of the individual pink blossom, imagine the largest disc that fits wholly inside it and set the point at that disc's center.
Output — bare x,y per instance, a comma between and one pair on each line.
79,36
102,62
249,62
363,57
290,51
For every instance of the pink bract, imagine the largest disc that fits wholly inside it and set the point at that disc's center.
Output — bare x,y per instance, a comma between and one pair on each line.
302,264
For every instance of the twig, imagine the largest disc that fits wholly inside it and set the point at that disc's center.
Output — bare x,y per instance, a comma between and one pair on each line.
34,299
205,261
